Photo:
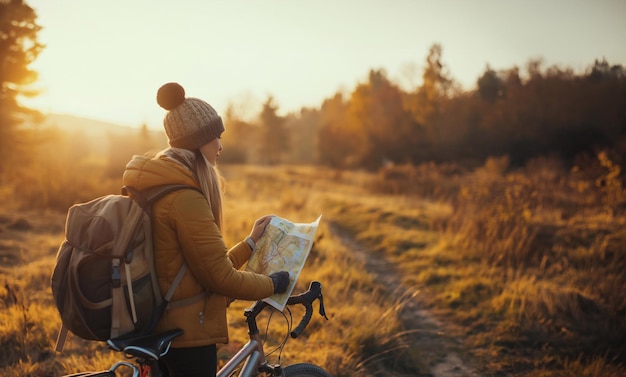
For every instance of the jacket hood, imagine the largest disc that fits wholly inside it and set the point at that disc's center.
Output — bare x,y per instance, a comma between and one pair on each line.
143,172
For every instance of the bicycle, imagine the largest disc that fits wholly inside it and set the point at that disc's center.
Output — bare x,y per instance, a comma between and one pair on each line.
250,360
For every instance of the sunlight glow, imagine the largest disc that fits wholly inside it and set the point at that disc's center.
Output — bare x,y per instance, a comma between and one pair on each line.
105,60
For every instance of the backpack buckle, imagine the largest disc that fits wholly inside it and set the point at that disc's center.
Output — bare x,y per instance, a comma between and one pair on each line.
116,277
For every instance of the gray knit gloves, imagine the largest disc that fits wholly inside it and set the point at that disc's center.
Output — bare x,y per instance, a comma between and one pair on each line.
281,281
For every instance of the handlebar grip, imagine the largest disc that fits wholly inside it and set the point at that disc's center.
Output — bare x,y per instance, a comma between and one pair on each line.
304,322
307,298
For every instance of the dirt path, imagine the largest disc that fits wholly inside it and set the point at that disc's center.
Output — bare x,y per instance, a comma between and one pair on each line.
427,334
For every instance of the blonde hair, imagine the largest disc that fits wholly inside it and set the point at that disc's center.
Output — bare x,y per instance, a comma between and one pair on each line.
207,175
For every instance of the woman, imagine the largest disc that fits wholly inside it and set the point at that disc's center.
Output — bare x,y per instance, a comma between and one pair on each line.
187,229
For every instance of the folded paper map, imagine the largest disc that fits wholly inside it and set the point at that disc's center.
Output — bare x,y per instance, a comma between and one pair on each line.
284,246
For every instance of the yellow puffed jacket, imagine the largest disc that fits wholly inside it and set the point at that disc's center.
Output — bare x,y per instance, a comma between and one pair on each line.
185,230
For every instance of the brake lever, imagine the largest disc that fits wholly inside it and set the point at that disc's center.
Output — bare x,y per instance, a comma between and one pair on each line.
322,310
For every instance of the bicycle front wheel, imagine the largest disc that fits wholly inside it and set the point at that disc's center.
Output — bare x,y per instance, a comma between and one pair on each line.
304,370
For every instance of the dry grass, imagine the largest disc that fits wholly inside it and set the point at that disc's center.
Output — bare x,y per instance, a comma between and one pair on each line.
362,337
526,267
531,266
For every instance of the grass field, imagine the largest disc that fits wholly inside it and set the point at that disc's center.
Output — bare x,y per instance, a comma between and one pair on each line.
523,271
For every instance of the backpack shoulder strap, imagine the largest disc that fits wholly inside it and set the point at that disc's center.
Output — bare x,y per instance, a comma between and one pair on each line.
175,283
146,197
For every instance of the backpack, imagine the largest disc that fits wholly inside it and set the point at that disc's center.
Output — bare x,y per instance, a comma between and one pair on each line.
104,282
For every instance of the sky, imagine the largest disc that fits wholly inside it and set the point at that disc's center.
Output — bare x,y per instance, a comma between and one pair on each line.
106,59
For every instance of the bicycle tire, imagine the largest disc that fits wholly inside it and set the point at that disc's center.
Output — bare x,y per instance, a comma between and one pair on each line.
304,370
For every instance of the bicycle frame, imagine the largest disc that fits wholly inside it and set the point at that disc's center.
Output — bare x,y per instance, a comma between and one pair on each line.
251,354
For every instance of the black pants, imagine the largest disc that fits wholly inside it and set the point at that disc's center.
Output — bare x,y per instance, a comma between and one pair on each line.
190,362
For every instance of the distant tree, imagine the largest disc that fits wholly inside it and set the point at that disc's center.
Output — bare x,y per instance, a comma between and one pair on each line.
303,131
602,70
146,142
533,68
376,111
144,133
490,85
18,49
274,141
337,145
436,85
239,138
425,104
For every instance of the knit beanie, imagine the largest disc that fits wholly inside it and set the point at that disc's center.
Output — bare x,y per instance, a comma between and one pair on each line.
190,122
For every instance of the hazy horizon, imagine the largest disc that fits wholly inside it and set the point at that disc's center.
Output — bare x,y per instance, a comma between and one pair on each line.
106,61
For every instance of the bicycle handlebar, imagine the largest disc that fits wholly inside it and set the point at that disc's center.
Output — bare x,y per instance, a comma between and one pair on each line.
306,299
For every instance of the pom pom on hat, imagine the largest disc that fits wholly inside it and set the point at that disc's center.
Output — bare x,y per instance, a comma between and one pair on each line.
170,95
190,122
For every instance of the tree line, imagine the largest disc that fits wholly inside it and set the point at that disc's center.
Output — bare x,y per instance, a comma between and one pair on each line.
521,114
